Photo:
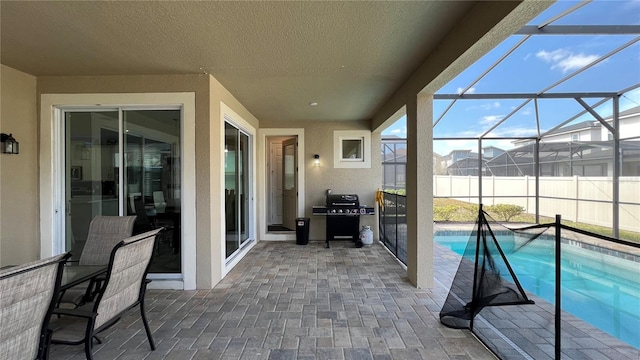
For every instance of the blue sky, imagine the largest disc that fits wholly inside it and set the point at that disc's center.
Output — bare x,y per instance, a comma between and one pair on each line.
540,62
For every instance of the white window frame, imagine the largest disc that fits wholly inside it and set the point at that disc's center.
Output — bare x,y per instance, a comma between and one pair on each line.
358,163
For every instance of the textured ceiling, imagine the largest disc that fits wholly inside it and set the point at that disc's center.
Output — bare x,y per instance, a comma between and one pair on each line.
274,57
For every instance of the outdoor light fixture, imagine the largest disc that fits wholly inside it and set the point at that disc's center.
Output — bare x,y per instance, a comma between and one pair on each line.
316,160
9,144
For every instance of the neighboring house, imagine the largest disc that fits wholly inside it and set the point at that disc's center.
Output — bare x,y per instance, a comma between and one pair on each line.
583,149
490,152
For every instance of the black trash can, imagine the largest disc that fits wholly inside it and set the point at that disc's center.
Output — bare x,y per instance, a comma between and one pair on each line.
302,231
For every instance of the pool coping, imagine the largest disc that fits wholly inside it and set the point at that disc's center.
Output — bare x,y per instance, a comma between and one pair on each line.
593,244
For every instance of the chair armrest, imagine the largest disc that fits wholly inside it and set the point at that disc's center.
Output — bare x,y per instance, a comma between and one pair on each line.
75,312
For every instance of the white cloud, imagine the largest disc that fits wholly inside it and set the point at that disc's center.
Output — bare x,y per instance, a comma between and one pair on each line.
515,132
490,119
493,105
566,60
401,131
500,144
471,90
631,5
444,147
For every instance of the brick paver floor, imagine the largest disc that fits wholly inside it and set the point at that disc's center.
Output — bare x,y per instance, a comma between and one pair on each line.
286,301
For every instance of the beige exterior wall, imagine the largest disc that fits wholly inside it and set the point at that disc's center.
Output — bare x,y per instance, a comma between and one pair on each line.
214,255
19,173
209,162
364,182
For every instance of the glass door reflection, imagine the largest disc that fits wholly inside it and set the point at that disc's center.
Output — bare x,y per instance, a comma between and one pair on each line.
91,146
152,177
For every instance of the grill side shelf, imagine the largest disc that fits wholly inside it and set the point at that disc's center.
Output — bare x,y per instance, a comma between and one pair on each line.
328,211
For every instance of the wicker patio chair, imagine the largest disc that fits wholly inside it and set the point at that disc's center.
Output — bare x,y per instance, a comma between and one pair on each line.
27,294
104,233
124,288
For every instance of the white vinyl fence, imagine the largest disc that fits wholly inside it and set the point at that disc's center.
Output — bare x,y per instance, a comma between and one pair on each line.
580,199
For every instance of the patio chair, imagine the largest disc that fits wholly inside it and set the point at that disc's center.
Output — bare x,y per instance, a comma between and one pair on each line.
124,288
104,233
27,294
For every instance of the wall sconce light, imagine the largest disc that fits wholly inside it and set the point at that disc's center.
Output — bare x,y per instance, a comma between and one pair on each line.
316,160
9,144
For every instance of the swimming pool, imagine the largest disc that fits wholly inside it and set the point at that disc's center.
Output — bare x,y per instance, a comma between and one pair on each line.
601,289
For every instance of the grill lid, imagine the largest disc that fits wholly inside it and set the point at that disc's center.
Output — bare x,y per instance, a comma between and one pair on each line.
342,200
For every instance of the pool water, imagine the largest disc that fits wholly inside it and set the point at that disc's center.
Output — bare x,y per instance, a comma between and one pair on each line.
601,289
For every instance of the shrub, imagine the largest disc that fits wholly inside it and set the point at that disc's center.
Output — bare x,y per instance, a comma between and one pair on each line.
506,211
444,212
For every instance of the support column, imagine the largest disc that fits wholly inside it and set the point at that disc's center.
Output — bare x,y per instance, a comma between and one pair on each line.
420,190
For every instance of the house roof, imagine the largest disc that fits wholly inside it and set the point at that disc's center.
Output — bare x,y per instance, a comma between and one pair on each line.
592,123
274,57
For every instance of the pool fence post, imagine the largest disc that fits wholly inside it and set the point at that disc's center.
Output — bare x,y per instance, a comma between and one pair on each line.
558,327
472,307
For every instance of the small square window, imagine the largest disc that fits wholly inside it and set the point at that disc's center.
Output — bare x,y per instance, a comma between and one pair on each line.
352,149
575,137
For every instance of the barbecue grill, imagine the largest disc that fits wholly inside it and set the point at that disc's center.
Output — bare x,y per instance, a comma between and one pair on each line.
343,216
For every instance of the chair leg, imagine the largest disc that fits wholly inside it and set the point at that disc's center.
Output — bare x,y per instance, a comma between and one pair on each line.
88,340
88,348
45,346
146,325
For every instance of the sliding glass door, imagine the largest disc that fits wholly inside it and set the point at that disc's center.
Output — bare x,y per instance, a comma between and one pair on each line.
237,189
125,162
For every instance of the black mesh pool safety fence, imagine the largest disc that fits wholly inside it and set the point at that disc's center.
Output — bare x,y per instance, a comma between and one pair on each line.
393,224
547,291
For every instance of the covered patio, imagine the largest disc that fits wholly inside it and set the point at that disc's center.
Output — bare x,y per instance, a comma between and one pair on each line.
235,80
286,301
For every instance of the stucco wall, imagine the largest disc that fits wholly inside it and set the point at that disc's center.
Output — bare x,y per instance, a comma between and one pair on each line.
364,182
216,173
19,173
